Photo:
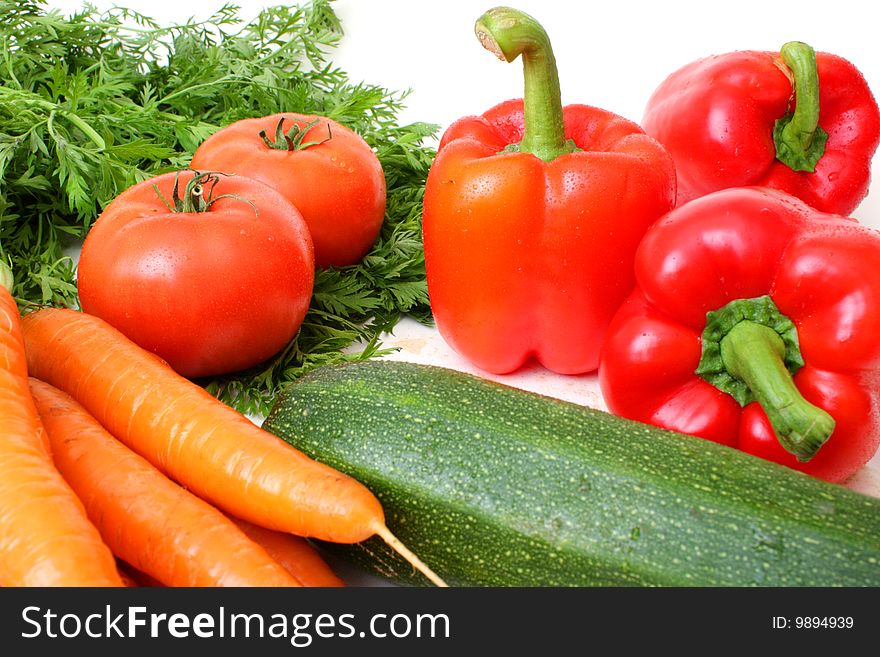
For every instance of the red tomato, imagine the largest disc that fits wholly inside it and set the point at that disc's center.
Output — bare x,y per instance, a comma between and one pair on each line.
327,171
210,291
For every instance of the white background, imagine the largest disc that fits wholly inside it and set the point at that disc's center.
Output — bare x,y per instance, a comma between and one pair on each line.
610,54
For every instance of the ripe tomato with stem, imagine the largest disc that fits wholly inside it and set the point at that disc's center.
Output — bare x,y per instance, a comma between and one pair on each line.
214,279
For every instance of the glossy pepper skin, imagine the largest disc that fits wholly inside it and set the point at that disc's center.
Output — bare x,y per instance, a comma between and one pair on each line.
716,116
529,239
812,278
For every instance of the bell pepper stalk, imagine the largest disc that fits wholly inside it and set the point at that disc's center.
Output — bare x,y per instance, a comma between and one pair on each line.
510,34
532,214
795,120
753,323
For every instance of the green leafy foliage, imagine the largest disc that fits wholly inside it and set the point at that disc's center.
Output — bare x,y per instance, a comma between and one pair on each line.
94,102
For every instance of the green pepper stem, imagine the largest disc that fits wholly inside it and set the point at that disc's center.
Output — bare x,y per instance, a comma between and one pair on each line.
754,354
800,141
510,33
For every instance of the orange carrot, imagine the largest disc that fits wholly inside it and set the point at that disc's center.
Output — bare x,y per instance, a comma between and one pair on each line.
139,578
145,518
198,441
45,537
127,579
295,553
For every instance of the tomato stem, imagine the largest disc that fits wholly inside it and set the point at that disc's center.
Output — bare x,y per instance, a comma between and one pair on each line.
292,140
194,199
509,33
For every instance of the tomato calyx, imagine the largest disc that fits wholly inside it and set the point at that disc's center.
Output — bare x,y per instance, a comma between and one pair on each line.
198,194
292,140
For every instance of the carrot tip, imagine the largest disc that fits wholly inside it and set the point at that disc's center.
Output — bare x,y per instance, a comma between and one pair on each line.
395,544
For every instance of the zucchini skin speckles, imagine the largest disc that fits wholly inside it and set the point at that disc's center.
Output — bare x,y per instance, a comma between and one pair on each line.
494,486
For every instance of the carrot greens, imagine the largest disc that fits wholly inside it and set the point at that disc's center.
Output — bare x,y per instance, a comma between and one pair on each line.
94,102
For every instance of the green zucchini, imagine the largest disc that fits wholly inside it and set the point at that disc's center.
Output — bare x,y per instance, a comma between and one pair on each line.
494,486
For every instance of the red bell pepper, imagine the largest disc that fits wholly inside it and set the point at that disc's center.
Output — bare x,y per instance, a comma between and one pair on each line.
796,120
532,214
754,323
